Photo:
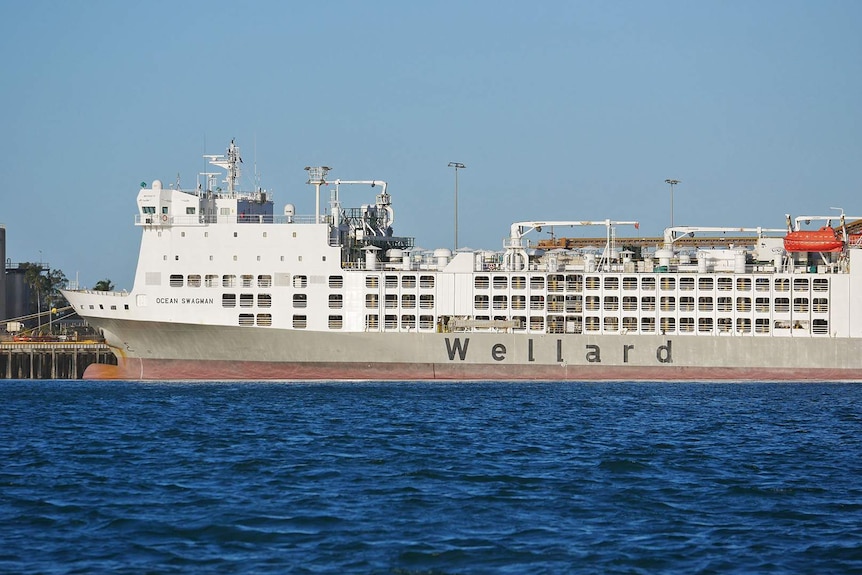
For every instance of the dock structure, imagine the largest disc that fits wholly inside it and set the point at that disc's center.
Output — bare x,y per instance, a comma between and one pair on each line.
51,360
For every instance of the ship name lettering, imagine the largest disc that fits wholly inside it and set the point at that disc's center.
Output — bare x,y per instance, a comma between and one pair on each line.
663,353
205,300
498,352
185,300
456,348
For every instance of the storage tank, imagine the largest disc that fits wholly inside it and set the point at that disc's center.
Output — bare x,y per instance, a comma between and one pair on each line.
17,293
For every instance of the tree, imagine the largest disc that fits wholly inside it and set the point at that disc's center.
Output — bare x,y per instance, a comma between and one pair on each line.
104,285
45,285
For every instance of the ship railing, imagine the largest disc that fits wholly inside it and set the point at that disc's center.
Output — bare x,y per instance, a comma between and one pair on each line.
123,293
197,220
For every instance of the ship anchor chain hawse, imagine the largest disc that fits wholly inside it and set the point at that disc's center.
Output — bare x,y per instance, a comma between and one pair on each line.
226,288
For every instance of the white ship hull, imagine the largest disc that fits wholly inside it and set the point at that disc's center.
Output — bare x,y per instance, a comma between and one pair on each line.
161,351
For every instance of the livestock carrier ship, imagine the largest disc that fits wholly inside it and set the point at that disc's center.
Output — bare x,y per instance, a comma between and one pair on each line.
226,287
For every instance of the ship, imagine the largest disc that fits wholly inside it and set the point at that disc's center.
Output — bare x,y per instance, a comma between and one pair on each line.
229,288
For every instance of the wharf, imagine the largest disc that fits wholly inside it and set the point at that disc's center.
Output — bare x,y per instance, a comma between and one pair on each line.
51,360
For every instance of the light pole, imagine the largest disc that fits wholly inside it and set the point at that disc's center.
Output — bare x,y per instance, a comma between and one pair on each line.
457,166
672,184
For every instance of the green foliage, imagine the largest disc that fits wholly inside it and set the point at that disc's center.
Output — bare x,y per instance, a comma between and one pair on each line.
104,285
45,285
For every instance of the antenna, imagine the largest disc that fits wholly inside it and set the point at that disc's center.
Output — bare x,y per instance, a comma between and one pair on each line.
256,173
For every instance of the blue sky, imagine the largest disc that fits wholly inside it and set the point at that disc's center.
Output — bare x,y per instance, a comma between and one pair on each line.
560,110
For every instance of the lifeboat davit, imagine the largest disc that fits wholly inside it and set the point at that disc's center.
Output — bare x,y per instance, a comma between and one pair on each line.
826,239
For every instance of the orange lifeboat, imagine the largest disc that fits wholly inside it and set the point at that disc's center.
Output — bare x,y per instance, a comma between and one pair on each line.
854,240
826,239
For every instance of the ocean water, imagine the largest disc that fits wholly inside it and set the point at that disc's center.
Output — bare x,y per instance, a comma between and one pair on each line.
430,478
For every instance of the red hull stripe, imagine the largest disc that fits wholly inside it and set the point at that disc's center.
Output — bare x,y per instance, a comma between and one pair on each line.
165,370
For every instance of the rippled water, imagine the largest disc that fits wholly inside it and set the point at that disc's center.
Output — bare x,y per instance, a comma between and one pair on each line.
430,478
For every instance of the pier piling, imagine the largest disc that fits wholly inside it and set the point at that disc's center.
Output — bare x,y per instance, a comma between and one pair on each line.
51,360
